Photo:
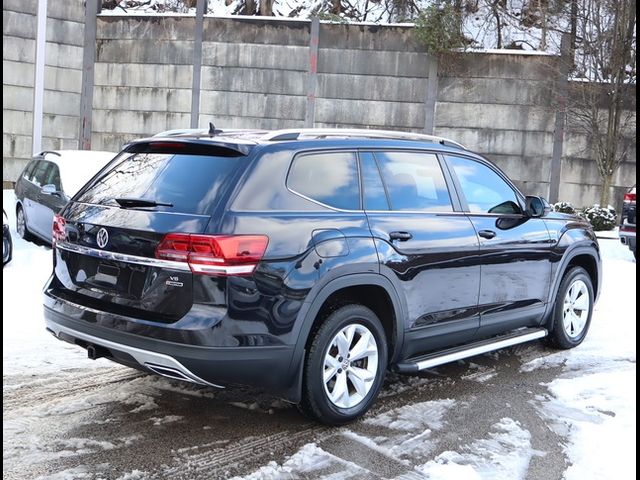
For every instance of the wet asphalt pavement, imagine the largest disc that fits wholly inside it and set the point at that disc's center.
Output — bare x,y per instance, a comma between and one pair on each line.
116,422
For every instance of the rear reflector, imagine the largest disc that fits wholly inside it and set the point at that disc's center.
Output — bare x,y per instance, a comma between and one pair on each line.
214,254
59,233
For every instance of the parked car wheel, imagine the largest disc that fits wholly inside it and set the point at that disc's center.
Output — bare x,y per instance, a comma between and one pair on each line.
345,366
573,309
21,224
7,244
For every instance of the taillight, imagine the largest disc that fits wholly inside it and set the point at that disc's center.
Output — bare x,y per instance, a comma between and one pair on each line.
629,197
214,254
59,233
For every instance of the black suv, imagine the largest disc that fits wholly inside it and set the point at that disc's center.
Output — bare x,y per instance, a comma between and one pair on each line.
308,262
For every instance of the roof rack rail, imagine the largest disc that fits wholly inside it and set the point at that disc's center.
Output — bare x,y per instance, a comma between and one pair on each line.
298,134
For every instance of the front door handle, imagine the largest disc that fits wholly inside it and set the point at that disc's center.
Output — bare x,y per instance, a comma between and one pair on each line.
489,234
402,236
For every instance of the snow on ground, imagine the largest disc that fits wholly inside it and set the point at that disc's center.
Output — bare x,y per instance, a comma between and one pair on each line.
504,455
593,404
27,347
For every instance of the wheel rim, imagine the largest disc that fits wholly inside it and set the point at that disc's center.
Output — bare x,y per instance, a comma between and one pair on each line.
350,366
575,310
20,223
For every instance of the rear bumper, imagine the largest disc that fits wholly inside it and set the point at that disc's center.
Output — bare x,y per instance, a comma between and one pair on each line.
264,367
627,235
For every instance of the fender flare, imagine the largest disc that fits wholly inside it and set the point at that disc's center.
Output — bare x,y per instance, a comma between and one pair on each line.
562,268
310,310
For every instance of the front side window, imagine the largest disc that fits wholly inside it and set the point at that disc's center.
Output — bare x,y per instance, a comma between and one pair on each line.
414,181
375,197
330,178
484,190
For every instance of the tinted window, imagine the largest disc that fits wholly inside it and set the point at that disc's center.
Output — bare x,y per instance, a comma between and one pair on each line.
484,190
414,181
190,183
53,176
28,171
329,178
375,197
40,173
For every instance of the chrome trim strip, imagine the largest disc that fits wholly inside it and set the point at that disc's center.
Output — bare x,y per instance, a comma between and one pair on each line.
145,358
452,357
122,257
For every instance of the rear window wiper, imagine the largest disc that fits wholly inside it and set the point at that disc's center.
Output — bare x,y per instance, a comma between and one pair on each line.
140,202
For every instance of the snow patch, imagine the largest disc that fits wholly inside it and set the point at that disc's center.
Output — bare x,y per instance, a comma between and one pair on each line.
166,419
504,455
310,458
414,417
597,413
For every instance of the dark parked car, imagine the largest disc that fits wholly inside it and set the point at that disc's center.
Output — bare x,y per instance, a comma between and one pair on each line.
7,244
627,230
47,183
308,262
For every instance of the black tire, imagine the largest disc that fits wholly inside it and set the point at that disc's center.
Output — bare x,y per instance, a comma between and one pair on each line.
315,400
558,336
23,233
7,249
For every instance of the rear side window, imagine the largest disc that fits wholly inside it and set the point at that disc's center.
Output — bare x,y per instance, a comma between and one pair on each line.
414,181
28,171
189,183
330,178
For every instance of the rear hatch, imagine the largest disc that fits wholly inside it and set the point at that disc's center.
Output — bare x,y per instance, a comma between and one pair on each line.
106,239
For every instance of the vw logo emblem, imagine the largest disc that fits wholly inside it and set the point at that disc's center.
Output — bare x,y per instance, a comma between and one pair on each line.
102,238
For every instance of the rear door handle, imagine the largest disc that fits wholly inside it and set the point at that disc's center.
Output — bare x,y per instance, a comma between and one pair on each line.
489,234
402,236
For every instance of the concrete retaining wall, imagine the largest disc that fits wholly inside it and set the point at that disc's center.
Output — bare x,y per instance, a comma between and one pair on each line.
255,74
18,57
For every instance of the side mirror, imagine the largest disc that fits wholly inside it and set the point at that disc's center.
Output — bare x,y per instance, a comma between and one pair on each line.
50,189
537,206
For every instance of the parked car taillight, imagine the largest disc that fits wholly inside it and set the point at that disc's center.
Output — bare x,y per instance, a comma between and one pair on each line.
59,233
214,254
629,197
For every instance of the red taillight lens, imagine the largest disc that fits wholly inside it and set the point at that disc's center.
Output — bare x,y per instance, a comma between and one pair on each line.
629,197
214,254
59,233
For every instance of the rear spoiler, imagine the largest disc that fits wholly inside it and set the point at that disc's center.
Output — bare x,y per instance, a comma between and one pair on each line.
200,146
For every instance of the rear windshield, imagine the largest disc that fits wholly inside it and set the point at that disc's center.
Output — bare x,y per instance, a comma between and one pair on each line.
189,183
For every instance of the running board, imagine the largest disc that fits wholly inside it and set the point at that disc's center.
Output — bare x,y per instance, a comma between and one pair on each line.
412,365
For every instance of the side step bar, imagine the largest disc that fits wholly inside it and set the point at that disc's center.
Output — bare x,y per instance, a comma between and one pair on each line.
412,365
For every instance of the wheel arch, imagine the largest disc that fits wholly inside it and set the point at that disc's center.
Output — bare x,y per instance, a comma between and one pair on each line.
586,257
352,286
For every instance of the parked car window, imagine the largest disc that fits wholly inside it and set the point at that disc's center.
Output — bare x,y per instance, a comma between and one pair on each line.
40,173
414,181
330,178
375,197
187,183
53,177
28,171
484,190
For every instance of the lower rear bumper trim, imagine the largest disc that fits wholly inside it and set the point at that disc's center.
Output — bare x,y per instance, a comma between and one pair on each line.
157,362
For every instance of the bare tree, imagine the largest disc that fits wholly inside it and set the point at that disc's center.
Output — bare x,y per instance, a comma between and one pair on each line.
603,105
